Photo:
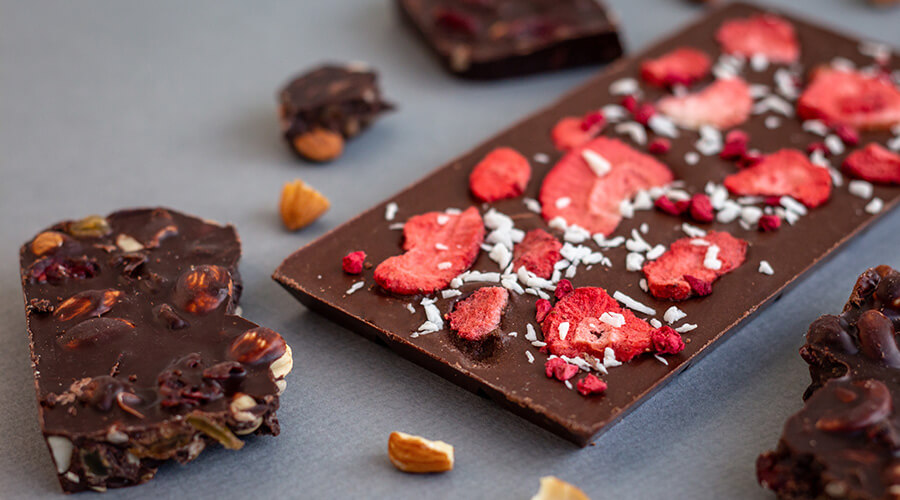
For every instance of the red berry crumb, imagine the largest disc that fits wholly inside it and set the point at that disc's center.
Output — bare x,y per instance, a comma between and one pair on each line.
772,201
643,113
817,146
560,370
542,308
630,103
353,262
750,159
735,145
698,286
669,206
701,208
563,288
769,223
591,120
590,385
659,146
847,134
667,341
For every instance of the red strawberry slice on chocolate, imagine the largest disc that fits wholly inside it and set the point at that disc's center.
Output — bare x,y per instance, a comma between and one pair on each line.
476,316
764,34
571,132
682,66
723,104
874,163
438,247
574,327
850,98
784,173
538,252
502,174
702,260
589,196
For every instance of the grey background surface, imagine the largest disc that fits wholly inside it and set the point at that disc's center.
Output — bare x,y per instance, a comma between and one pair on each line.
106,105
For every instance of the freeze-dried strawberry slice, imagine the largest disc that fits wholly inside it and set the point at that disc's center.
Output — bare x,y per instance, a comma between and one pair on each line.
479,314
538,252
502,174
703,262
764,34
577,316
874,164
723,104
572,131
850,98
785,172
682,66
589,198
424,268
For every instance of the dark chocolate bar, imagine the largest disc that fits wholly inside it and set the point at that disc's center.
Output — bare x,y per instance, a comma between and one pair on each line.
139,352
510,369
486,39
845,440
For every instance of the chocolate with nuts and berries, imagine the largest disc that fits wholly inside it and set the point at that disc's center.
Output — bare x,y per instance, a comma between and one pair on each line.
634,224
486,39
138,351
322,108
845,441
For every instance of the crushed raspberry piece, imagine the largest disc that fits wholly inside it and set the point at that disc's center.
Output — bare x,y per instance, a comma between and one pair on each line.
735,145
424,268
560,370
667,341
581,310
874,163
817,146
666,275
659,146
590,385
682,66
568,133
476,316
700,287
593,199
848,135
644,112
671,207
786,172
765,34
541,309
772,201
502,174
723,104
353,262
592,121
850,98
538,252
630,103
563,288
768,223
701,208
750,159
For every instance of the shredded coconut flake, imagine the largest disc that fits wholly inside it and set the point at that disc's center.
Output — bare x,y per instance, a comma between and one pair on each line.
685,328
634,261
563,202
691,158
411,308
633,304
766,268
711,259
354,287
613,319
673,315
532,205
624,86
598,164
529,356
861,189
450,293
874,206
541,158
390,211
655,323
692,231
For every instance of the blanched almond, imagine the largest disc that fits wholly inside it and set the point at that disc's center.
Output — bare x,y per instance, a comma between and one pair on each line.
418,455
556,489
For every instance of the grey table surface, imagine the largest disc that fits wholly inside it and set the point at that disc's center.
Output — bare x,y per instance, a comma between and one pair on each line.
105,105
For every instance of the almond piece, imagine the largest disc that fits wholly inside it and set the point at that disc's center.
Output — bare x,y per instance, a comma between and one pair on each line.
46,242
319,144
418,455
301,204
556,489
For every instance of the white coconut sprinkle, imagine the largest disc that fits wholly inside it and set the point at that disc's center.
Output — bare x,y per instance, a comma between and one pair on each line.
758,91
568,385
792,205
729,212
501,255
655,323
432,313
624,86
686,328
759,62
663,126
576,234
878,51
444,265
613,112
443,219
773,103
447,294
615,320
636,243
479,276
894,143
842,64
772,122
642,201
396,226
529,356
609,358
390,211
411,308
700,242
691,158
512,284
530,334
538,343
786,84
598,164
563,202
425,328
634,130
861,189
634,261
513,334
626,209
532,205
563,330
643,284
602,242
711,259
354,287
834,144
541,158
815,127
633,304
751,214
656,252
661,359
674,315
692,231
874,206
766,268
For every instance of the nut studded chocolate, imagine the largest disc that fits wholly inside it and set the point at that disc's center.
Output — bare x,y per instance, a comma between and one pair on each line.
635,223
486,39
139,356
845,441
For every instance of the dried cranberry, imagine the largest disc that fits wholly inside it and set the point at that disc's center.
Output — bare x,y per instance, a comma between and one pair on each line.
659,146
456,21
182,384
55,270
769,223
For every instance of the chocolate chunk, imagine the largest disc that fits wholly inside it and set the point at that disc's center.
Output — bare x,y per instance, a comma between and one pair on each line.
130,332
844,441
486,39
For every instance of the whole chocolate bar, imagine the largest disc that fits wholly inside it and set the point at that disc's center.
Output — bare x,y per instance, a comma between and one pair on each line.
486,39
633,224
844,442
139,354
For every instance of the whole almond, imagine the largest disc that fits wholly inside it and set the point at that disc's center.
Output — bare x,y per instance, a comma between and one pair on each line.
319,144
556,489
418,455
300,205
46,242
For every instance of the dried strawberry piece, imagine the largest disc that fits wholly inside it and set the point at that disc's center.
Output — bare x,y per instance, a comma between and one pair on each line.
769,222
659,146
424,268
541,309
735,145
538,253
593,200
682,66
590,385
874,163
701,208
764,34
750,159
559,369
850,98
502,174
670,206
667,341
698,286
723,104
568,133
479,314
585,333
563,288
666,275
787,172
352,263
